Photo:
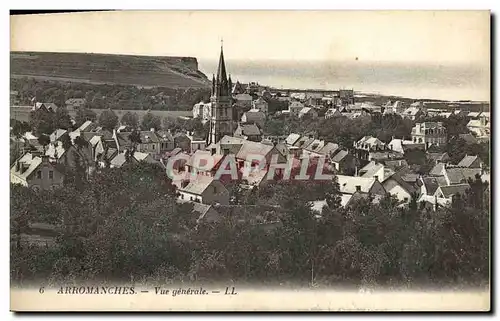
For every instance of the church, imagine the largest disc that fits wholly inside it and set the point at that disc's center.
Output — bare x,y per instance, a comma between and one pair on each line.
221,115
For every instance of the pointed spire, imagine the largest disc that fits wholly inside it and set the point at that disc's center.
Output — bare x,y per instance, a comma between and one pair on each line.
221,70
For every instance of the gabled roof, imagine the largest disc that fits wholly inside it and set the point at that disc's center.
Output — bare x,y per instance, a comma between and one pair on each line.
437,170
431,185
58,133
411,111
467,161
303,142
457,175
329,149
198,185
148,137
164,135
340,156
437,156
348,184
315,146
469,138
292,139
30,161
253,148
451,190
248,129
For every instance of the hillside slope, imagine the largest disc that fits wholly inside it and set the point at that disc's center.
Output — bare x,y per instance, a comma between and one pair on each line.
141,71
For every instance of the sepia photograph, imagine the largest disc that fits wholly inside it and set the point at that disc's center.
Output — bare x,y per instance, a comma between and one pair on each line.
250,161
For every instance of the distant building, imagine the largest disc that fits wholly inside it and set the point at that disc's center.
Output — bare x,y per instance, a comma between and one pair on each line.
294,107
36,172
254,116
205,190
202,111
429,133
248,131
260,104
415,110
308,112
346,97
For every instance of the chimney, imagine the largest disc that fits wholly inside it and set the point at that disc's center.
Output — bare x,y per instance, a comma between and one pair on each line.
358,188
17,166
152,130
376,177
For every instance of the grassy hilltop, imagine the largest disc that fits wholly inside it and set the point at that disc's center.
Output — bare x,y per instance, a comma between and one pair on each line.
141,71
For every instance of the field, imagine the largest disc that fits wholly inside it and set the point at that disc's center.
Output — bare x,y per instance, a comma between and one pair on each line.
22,113
140,71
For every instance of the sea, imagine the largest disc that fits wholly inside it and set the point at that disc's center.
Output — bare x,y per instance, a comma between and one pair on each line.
410,80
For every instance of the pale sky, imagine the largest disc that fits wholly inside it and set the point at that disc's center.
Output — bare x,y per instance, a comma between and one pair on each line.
455,37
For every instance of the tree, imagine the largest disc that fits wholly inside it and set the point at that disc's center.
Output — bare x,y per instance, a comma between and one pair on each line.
42,122
62,119
44,140
108,119
83,114
131,119
150,121
19,127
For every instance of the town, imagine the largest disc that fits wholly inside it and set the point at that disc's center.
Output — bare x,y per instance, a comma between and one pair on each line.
344,151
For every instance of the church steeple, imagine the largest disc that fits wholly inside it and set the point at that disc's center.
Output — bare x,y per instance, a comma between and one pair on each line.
221,112
222,82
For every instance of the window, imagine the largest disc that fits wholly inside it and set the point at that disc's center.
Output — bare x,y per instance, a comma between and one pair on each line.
51,175
39,174
182,196
191,198
153,146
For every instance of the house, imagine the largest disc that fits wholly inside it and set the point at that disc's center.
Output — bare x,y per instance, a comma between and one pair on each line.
294,107
150,144
376,169
394,108
393,183
206,190
430,184
332,113
350,185
448,192
398,187
303,142
438,157
203,213
87,126
314,147
343,162
166,141
261,105
395,164
254,116
182,141
75,103
469,138
292,139
121,158
202,162
470,162
203,111
308,112
458,175
346,97
244,100
57,134
479,127
36,172
401,145
415,110
46,107
369,143
248,131
196,143
429,133
237,88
